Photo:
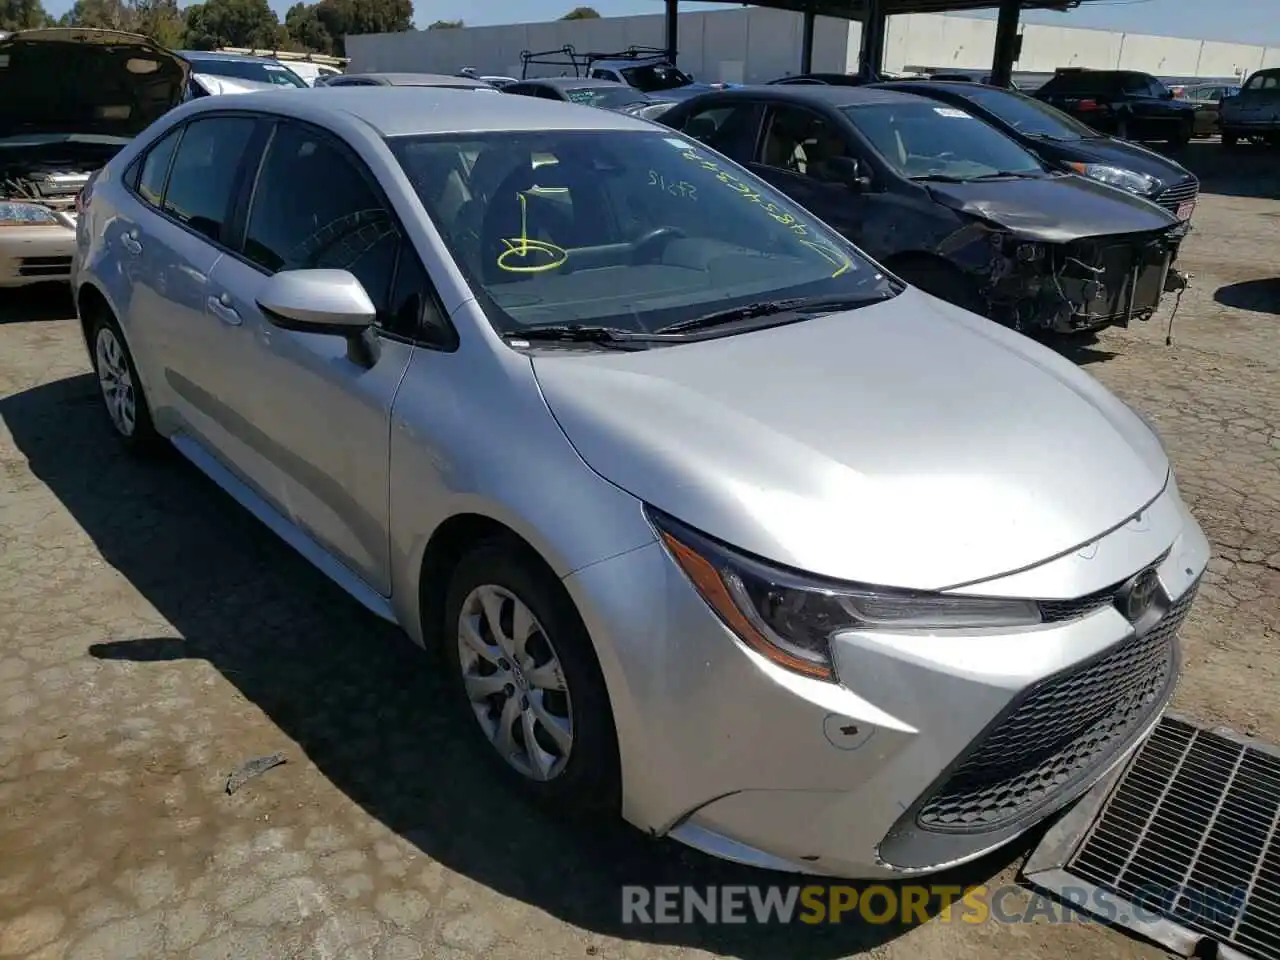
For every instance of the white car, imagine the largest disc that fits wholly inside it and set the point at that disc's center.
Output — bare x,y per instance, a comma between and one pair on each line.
311,72
47,156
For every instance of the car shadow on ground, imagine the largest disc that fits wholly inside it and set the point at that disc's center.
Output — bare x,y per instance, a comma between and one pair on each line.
1248,171
361,700
1080,349
38,303
1260,296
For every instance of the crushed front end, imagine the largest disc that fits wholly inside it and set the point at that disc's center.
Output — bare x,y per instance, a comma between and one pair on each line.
1084,284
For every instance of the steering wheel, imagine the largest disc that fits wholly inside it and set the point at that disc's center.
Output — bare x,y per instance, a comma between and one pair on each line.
649,245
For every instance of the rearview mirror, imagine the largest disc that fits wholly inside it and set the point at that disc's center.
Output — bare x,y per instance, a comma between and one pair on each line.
323,301
848,171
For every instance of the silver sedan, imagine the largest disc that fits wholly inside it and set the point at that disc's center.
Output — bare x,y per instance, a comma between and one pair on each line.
718,525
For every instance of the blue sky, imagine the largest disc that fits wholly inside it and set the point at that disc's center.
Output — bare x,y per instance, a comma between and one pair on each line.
1246,21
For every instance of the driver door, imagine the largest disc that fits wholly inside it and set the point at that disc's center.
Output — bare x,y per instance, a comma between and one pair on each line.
794,155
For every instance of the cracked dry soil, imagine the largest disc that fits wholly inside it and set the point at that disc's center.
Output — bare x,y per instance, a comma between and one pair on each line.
153,637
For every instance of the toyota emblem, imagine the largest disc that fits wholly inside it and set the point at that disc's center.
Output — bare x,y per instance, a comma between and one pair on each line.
1138,595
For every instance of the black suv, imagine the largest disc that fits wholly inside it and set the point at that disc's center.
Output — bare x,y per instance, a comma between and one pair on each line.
1125,103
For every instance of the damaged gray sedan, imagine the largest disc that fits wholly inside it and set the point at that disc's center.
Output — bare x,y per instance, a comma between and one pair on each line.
950,204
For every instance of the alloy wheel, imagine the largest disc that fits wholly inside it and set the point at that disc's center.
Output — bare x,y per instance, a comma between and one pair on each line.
514,682
116,381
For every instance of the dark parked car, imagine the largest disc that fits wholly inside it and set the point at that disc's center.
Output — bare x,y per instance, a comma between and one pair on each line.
1066,143
1125,103
1207,99
830,79
1254,113
949,203
607,94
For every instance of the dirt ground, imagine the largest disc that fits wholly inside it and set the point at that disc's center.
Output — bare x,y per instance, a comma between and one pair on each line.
154,637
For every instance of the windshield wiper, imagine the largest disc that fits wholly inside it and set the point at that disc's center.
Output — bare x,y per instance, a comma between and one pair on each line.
614,337
938,178
1007,174
802,307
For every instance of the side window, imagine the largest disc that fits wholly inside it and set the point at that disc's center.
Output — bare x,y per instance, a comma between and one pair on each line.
204,173
605,75
313,208
723,128
801,142
154,170
546,93
411,309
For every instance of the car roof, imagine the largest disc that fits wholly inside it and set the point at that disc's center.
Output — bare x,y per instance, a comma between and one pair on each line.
575,82
409,111
421,80
829,95
959,87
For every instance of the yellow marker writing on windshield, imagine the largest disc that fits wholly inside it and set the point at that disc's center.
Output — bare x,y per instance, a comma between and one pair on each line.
529,256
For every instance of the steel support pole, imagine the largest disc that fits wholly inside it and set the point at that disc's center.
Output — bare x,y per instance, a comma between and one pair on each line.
673,29
806,42
1007,43
871,50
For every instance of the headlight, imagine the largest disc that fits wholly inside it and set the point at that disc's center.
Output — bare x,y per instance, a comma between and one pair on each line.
790,617
15,213
1129,180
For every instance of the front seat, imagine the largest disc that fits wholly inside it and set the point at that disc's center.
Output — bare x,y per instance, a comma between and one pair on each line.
516,211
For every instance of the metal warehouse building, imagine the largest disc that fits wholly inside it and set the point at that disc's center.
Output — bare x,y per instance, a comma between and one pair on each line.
754,44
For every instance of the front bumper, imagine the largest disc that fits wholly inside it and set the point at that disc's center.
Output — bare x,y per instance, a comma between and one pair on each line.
36,254
931,751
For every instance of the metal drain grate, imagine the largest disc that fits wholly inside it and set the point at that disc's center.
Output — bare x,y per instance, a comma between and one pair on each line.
1182,844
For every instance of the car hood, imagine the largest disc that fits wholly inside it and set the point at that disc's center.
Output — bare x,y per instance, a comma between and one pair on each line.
1054,209
74,80
1129,156
907,444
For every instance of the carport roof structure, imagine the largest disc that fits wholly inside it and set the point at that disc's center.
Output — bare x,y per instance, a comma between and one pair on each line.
872,14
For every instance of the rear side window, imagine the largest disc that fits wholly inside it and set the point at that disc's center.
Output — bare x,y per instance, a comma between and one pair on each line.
1076,83
204,173
155,168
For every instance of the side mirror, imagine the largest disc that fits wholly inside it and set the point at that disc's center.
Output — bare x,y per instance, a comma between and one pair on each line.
329,302
848,171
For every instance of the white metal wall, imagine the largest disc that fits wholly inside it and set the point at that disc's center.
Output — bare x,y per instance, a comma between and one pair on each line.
753,44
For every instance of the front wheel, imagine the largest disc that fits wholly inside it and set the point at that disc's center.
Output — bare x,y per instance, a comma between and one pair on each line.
120,387
526,672
1182,135
1230,140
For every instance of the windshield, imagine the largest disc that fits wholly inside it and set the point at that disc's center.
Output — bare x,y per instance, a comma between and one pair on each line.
655,76
926,139
275,73
630,229
1028,115
607,97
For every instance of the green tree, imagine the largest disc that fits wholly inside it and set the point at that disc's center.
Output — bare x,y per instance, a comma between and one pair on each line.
231,23
307,30
99,15
345,18
22,14
446,25
582,13
161,20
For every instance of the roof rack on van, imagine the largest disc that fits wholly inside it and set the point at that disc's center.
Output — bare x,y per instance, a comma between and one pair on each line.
565,56
632,52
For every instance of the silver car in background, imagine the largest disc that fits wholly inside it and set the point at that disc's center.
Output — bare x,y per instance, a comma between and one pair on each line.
718,525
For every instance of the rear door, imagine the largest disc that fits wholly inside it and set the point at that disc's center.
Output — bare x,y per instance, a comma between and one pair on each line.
185,190
731,128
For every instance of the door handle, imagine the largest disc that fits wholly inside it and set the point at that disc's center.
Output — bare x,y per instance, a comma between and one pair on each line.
221,308
131,244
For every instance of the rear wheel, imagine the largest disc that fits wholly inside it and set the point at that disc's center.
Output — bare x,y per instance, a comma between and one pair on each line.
1230,140
1182,135
120,387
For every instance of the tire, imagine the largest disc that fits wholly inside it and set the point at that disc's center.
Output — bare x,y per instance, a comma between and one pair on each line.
1230,140
940,279
123,399
576,772
1186,130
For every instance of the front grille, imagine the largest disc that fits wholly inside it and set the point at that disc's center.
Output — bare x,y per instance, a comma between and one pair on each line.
1059,733
1056,611
1192,832
44,267
1173,197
